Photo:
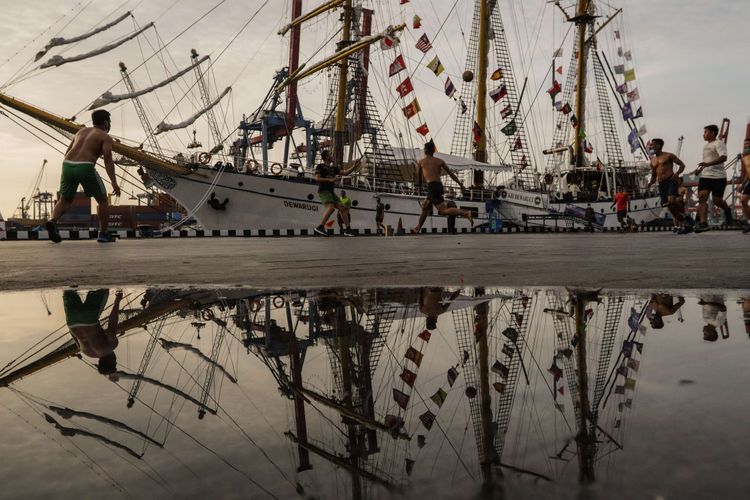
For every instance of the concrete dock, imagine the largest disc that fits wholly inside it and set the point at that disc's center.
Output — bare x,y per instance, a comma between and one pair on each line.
649,260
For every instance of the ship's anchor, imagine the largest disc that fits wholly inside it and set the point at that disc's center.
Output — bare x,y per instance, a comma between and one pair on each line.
214,202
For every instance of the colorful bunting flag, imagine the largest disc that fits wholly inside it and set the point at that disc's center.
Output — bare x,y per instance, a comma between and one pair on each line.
627,111
412,109
404,1
554,90
409,377
396,66
423,44
622,88
439,397
423,129
400,398
510,128
630,383
633,141
511,334
630,75
497,74
452,376
559,70
574,121
565,109
477,132
425,335
587,148
450,89
405,87
414,356
500,369
619,69
508,350
622,370
416,22
436,66
499,387
498,93
633,95
427,419
506,111
517,144
389,42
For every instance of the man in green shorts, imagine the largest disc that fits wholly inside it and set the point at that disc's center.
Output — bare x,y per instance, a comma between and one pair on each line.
326,175
82,318
79,167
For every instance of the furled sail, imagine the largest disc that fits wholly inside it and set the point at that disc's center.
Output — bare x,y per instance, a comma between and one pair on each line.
59,60
109,97
55,42
165,127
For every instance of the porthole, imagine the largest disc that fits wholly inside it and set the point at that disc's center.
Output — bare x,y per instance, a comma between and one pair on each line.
355,203
240,184
310,197
272,190
387,206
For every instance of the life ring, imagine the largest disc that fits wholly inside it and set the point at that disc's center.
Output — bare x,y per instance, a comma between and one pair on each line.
204,158
278,302
275,168
251,165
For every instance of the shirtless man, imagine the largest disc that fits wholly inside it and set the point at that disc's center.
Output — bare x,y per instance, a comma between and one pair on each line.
82,318
431,168
431,304
744,185
79,167
662,170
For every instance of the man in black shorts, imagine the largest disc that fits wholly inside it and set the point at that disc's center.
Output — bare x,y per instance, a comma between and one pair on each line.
431,168
662,170
744,185
713,177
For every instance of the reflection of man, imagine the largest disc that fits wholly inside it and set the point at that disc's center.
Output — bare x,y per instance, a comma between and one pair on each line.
714,315
431,304
82,318
746,313
661,305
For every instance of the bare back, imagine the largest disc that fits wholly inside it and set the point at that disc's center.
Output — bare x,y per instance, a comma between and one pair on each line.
663,165
431,168
88,145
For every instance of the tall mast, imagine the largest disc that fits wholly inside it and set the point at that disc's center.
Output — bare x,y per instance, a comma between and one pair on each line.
291,92
480,151
582,20
338,137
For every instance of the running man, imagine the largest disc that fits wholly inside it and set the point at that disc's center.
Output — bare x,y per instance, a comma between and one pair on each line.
79,167
431,168
662,170
431,304
379,216
713,177
82,318
744,185
661,305
326,175
346,204
622,200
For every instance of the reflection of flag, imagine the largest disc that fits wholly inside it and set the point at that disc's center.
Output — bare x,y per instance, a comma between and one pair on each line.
634,364
425,335
397,65
450,89
394,422
555,370
510,128
477,132
416,22
400,398
506,111
409,377
409,464
436,66
617,34
427,418
500,369
511,333
497,74
517,145
463,106
642,130
508,350
414,356
639,113
439,397
565,109
619,51
421,441
633,141
627,348
633,319
499,387
633,95
423,44
620,69
639,346
619,389
412,109
622,370
554,89
423,129
627,112
630,383
452,376
561,389
622,88
630,75
404,87
498,93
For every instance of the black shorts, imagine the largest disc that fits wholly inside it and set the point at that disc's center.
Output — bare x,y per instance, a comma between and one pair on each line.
716,186
746,189
621,214
667,188
435,193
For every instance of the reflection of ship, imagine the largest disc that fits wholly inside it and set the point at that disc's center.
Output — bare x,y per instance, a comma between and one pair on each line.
338,356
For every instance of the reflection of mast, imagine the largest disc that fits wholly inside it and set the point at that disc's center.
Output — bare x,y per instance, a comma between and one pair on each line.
586,436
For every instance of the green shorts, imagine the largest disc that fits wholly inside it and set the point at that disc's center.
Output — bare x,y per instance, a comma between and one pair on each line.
328,197
83,173
78,312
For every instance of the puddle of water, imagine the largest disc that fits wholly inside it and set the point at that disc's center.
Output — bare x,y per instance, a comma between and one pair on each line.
374,392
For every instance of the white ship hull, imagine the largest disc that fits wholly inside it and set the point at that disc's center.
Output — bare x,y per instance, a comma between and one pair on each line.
271,203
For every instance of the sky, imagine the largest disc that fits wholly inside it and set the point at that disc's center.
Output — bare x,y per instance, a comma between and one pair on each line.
690,63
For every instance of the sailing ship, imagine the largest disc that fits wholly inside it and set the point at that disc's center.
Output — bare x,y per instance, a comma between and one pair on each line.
236,184
371,395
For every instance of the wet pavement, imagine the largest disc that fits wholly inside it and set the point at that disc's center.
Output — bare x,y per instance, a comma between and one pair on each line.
716,259
407,392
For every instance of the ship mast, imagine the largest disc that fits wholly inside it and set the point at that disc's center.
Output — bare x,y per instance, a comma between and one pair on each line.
339,137
582,20
480,146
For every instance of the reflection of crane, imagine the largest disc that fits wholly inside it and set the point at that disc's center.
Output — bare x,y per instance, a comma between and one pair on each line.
39,203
